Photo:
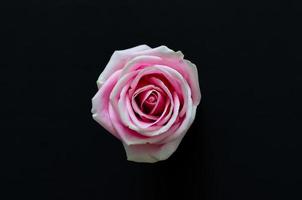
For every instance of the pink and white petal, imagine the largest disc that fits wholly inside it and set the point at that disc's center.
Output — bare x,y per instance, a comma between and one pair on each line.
123,80
125,111
118,60
161,51
122,107
135,139
193,81
100,104
151,153
185,125
143,61
114,96
126,134
140,62
158,55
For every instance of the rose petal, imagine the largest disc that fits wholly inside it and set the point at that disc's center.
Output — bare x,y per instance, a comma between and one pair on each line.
118,60
143,115
185,125
151,153
159,104
192,79
100,104
136,122
162,52
126,134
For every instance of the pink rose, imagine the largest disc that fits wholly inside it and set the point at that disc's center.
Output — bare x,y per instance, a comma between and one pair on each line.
147,98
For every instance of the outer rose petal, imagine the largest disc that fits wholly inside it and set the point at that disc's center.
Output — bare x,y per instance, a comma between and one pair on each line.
100,104
118,61
151,153
193,81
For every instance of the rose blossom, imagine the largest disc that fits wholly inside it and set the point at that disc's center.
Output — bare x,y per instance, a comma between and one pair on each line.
147,98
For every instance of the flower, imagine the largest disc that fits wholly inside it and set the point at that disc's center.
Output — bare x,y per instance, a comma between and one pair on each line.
147,98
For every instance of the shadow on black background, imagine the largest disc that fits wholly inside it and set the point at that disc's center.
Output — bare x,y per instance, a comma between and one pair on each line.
245,142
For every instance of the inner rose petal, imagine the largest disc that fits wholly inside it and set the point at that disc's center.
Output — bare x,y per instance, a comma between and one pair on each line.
163,73
167,118
149,102
171,78
125,108
165,113
159,104
150,99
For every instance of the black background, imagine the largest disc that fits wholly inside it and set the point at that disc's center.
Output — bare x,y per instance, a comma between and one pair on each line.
245,142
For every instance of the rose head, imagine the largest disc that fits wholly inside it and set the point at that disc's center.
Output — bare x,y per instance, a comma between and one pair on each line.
147,98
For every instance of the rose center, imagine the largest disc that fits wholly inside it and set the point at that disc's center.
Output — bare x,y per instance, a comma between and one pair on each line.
151,98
